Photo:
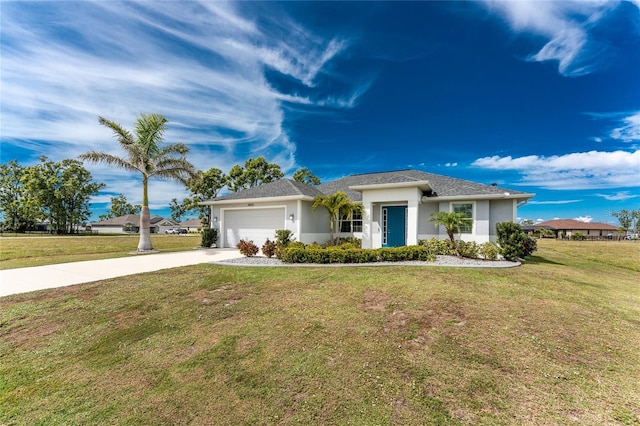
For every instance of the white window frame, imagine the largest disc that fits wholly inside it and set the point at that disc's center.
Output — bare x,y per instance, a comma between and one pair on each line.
473,215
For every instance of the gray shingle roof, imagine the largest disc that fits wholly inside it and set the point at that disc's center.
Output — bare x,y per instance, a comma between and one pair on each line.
442,186
279,188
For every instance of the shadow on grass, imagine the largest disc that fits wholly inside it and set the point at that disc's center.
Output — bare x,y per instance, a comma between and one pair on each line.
535,260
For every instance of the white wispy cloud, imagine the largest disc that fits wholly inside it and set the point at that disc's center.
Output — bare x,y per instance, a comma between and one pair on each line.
629,130
201,64
582,170
619,196
586,219
567,27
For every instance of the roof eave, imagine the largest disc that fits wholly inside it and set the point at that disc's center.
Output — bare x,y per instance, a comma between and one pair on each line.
257,200
422,184
503,196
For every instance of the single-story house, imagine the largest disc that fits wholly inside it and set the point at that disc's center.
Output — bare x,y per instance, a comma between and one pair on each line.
165,224
192,225
127,224
565,228
397,206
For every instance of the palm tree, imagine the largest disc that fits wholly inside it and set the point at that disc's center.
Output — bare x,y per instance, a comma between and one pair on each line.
146,154
337,205
452,221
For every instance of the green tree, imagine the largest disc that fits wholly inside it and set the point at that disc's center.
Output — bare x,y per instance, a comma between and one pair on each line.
256,171
625,217
177,209
61,191
337,205
306,176
146,154
204,186
120,207
16,212
452,222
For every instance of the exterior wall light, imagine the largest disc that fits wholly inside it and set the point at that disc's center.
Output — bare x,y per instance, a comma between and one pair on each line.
291,217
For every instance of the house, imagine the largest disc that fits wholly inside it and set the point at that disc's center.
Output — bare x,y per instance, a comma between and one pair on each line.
565,228
165,224
127,224
397,206
192,225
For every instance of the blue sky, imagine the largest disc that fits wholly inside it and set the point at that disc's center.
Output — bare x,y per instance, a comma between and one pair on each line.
542,97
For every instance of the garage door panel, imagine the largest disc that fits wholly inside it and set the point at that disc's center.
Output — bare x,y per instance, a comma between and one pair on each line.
252,224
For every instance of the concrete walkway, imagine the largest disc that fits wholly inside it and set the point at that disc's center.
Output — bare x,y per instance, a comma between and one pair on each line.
23,280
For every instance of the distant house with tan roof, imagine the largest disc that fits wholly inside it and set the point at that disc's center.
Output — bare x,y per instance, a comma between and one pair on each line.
192,225
129,224
565,228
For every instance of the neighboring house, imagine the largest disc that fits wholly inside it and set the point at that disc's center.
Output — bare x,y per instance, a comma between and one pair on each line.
565,228
166,224
397,206
127,224
192,225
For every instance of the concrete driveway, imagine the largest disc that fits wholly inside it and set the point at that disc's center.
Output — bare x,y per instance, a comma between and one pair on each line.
23,280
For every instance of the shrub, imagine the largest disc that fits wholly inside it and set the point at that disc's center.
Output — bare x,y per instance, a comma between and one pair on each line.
269,248
284,237
468,249
578,236
488,251
247,248
337,254
438,247
353,241
514,243
209,237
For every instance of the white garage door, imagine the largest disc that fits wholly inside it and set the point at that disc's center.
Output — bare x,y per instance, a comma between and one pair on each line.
252,224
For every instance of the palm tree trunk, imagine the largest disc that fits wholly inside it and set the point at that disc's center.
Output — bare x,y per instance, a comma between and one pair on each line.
145,220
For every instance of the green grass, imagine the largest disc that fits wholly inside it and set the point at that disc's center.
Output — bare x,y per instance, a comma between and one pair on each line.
552,342
20,252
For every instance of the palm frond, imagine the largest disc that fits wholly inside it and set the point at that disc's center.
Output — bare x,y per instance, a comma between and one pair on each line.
109,159
125,138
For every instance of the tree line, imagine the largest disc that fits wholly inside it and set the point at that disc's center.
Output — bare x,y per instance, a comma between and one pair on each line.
58,193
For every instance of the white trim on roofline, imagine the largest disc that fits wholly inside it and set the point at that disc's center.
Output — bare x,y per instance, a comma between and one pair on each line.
470,197
422,184
258,200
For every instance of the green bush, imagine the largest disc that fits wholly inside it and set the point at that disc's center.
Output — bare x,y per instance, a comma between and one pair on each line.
336,254
352,241
269,248
578,236
513,242
284,237
247,248
209,237
468,249
488,251
438,247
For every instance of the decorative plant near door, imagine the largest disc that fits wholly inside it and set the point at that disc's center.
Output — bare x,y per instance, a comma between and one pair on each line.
337,205
452,222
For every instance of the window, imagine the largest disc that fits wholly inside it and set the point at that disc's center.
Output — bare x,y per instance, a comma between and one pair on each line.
467,209
351,225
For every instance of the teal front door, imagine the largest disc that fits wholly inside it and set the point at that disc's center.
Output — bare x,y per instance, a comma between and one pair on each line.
394,226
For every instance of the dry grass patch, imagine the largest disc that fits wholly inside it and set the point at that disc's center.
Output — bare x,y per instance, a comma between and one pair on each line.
552,342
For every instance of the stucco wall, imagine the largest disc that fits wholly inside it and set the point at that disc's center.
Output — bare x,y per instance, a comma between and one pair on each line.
501,211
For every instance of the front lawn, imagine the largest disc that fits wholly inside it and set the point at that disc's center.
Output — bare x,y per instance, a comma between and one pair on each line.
24,251
554,341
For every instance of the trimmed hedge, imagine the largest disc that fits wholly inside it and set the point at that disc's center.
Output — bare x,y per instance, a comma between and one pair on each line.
339,254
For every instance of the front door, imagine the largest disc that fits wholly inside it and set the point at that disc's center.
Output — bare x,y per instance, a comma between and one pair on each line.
394,229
